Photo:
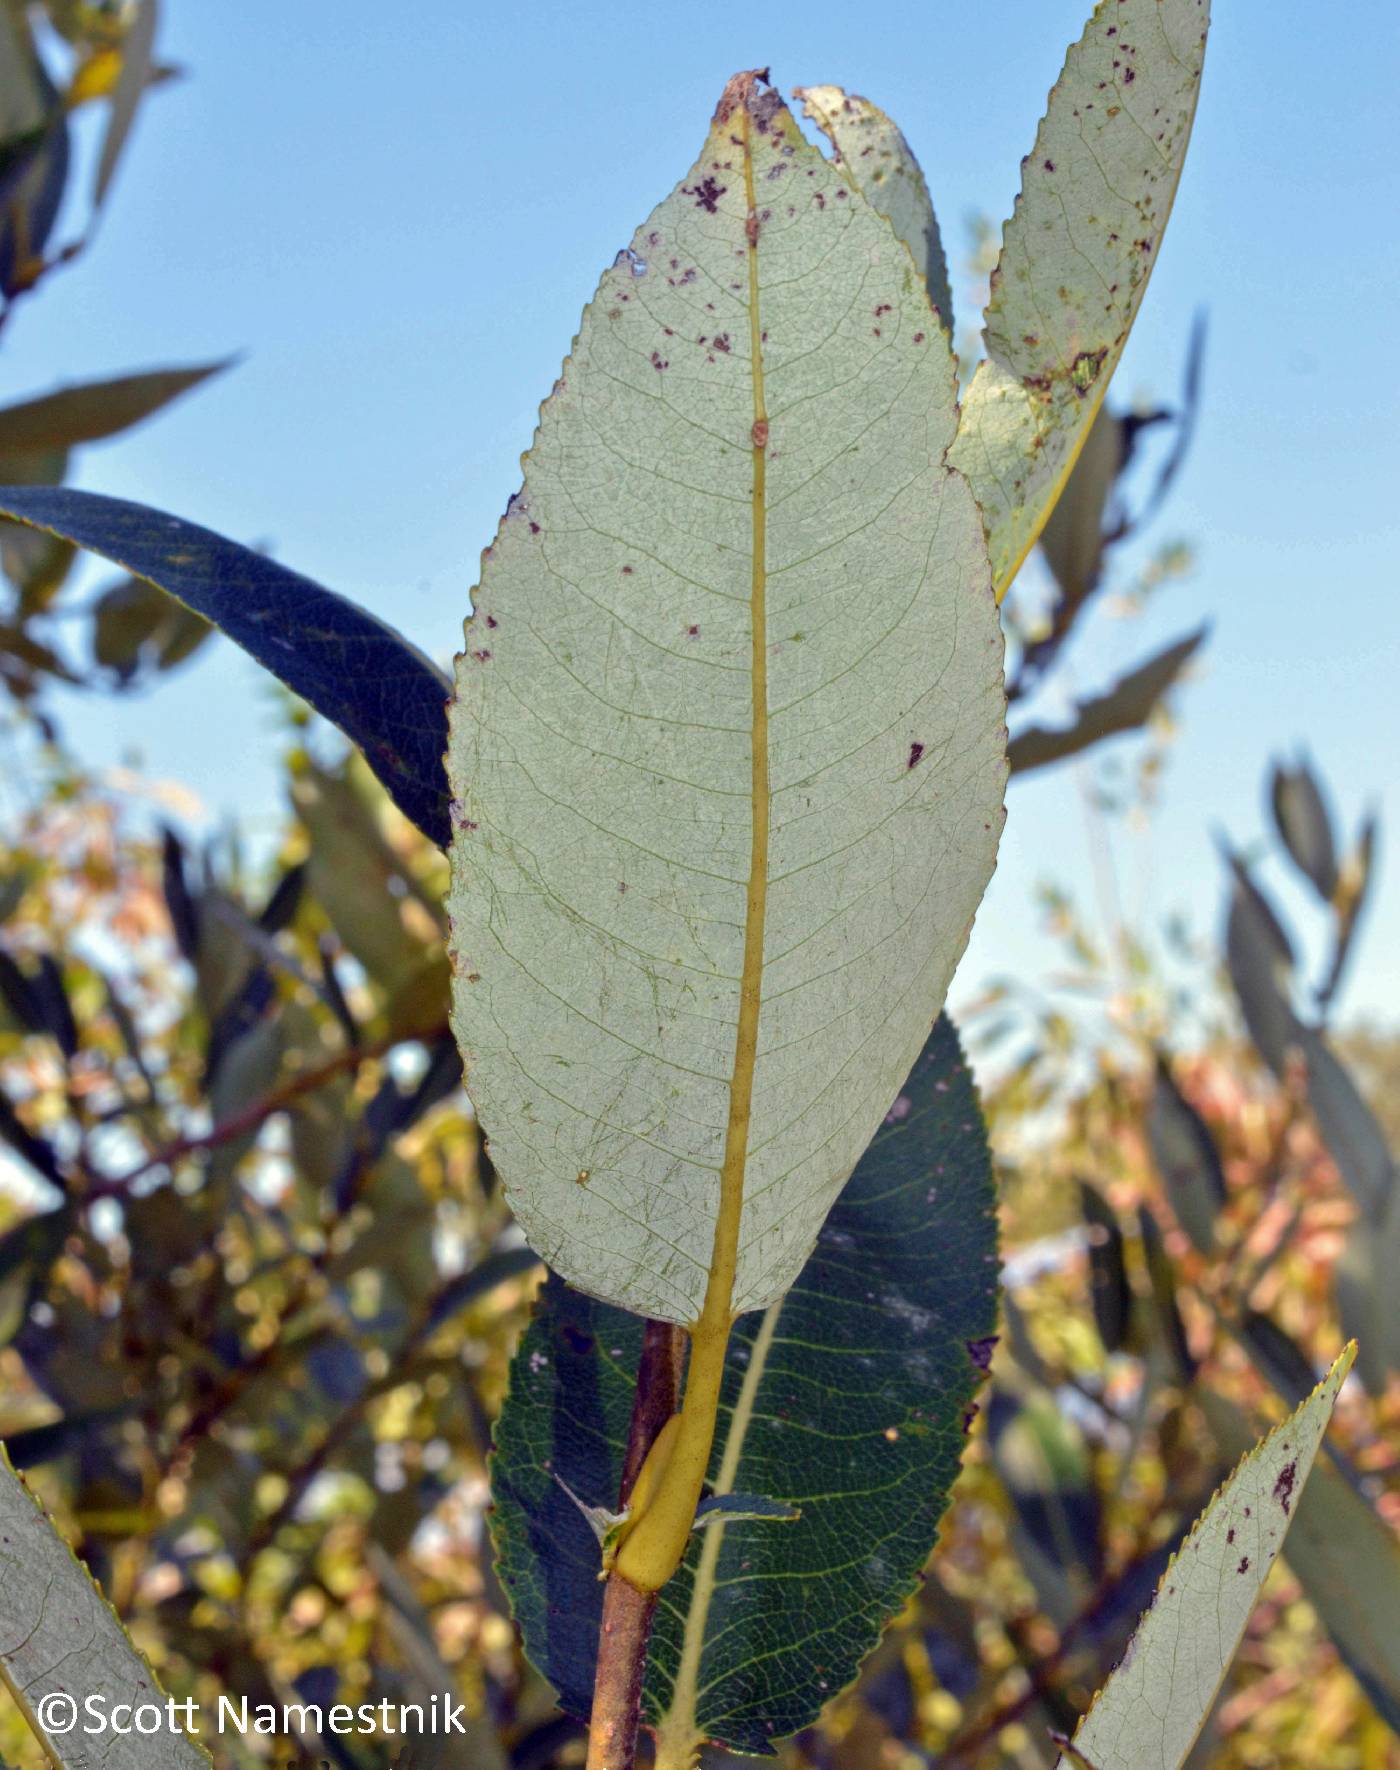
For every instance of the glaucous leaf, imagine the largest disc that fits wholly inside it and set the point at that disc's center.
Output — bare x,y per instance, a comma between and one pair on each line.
727,748
874,1356
353,668
880,164
1096,191
1155,1704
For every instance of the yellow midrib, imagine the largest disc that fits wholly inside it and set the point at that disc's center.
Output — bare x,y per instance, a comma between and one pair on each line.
652,1551
679,1732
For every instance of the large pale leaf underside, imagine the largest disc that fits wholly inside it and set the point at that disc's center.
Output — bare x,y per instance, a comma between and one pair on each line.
733,681
1096,191
1155,1704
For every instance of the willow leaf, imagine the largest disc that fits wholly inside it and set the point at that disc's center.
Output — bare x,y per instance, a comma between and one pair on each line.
848,1400
872,152
1346,1557
1155,1704
353,668
66,1660
728,745
1096,191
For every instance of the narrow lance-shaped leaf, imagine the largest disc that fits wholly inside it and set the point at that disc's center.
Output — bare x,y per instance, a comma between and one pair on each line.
728,740
1126,706
1186,1158
1346,1557
138,59
61,1648
1155,1704
350,666
95,409
879,162
874,1357
1096,191
1305,827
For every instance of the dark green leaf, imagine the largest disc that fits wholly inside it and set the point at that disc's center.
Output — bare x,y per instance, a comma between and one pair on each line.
1044,1463
1304,826
860,1384
461,1292
1073,537
1163,1281
41,1444
281,908
19,996
33,125
1127,706
1277,1356
34,1149
350,666
184,910
1349,1128
1259,957
1186,1158
53,1002
1109,1290
35,563
96,409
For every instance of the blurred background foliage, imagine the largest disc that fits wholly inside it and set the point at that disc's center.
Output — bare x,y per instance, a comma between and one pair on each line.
258,1289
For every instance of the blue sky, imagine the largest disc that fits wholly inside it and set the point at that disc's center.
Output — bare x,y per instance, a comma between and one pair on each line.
398,216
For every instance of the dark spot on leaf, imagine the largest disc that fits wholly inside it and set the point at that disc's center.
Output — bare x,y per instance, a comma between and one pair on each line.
720,341
1084,371
1244,1564
491,621
918,337
980,1351
1283,1487
1049,165
693,632
707,194
916,753
482,655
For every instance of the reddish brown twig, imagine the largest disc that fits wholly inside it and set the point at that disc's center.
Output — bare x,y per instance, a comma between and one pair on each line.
628,1613
257,1112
